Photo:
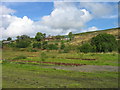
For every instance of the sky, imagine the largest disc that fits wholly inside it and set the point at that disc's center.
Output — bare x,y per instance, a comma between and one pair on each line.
56,18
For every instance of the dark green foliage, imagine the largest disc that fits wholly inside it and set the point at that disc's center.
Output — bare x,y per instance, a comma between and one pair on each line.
52,46
37,45
9,38
66,50
104,42
62,45
20,57
70,35
44,44
86,48
118,46
43,56
32,50
39,36
0,44
11,45
23,37
22,43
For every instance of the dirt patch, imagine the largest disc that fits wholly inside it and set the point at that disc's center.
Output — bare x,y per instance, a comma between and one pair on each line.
87,68
55,63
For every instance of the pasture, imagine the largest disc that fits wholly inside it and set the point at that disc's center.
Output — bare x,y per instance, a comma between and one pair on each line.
58,70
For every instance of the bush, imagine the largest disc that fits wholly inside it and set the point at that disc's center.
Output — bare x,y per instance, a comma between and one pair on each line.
85,48
37,45
52,46
62,45
104,43
66,50
22,43
44,44
20,57
43,56
32,50
11,45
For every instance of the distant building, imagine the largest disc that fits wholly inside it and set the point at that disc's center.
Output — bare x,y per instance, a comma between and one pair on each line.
66,38
6,42
50,38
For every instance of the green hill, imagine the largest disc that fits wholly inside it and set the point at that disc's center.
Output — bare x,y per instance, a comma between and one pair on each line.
80,38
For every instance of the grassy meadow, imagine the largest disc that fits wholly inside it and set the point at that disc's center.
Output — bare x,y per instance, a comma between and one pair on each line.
20,74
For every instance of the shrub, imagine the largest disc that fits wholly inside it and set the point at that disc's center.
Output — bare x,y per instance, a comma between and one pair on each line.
12,45
104,42
43,56
52,47
44,44
66,50
62,45
31,50
20,57
85,48
22,43
37,45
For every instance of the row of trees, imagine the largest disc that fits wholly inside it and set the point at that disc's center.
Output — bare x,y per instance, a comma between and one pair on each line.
41,36
101,43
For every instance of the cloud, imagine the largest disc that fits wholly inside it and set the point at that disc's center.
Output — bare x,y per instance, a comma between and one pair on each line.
93,28
66,17
99,10
18,26
4,10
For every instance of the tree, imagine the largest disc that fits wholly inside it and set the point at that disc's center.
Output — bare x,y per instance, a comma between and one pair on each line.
39,36
23,37
23,41
104,42
70,35
9,39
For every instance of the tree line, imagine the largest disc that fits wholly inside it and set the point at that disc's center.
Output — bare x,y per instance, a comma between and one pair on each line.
101,43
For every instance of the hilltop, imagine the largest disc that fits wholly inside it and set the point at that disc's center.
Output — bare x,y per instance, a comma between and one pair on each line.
80,38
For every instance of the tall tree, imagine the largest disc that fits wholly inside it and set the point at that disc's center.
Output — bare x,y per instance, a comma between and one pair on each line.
39,36
9,38
23,41
23,37
70,35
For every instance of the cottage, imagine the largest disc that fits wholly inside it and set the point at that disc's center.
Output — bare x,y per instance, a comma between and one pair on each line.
6,42
49,38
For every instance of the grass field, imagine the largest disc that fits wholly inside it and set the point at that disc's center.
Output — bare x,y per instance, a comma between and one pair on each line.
39,75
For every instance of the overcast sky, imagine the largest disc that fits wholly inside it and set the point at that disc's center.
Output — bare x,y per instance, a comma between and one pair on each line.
56,18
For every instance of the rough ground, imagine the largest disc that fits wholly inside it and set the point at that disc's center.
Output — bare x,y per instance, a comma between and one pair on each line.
86,68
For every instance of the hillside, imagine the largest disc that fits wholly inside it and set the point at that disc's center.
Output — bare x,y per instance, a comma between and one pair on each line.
83,37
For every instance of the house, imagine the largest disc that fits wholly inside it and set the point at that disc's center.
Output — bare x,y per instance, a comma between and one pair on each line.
50,38
66,37
6,42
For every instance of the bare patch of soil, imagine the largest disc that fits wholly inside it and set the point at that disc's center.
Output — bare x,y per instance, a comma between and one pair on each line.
87,68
